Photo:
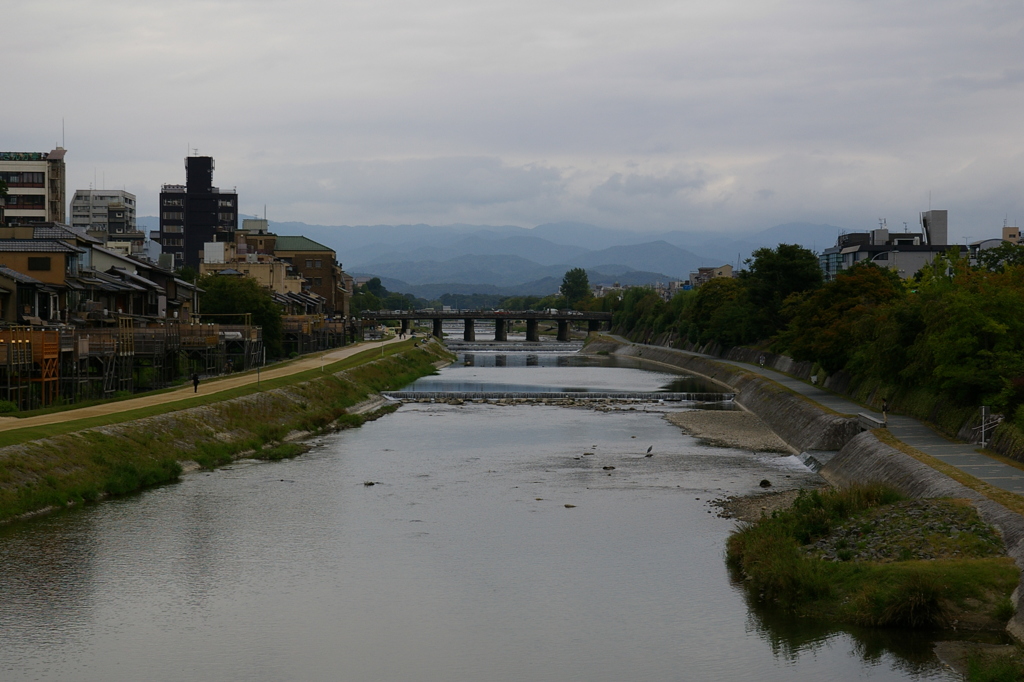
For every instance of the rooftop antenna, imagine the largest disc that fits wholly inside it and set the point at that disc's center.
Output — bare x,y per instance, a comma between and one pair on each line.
62,131
905,228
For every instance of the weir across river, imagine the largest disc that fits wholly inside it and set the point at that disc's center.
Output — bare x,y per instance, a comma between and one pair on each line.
502,320
578,396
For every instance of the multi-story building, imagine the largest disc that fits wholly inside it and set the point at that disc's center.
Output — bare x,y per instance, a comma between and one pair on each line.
195,213
904,252
318,265
273,273
35,186
108,215
705,275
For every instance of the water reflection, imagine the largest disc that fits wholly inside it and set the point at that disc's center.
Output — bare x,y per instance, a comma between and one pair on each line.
498,543
791,638
559,371
46,585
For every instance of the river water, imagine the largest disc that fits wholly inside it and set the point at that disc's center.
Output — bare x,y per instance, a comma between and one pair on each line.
490,547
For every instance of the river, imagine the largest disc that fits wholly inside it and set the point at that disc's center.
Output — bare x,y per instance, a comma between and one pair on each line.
494,544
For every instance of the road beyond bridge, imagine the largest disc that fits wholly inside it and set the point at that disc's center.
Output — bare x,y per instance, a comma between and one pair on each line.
502,320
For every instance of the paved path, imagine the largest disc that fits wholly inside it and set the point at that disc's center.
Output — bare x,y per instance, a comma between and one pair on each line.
914,433
207,387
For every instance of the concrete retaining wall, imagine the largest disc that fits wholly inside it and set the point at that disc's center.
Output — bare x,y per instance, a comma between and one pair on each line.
799,422
862,458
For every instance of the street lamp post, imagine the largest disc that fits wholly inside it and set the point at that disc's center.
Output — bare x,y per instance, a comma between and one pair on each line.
890,266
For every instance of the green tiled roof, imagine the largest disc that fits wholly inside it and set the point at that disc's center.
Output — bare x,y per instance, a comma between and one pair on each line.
285,243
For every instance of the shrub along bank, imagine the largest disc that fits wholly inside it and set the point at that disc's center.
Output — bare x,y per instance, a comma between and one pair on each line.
860,556
95,461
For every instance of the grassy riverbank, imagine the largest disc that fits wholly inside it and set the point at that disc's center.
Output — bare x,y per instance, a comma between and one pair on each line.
864,556
85,460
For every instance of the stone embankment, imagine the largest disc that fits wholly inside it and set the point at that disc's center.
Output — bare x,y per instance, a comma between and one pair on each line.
801,423
120,458
861,457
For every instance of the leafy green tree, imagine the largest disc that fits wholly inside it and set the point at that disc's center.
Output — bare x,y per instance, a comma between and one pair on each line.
772,276
187,273
639,314
721,312
230,296
519,303
826,324
364,300
396,301
575,286
1004,255
373,286
971,346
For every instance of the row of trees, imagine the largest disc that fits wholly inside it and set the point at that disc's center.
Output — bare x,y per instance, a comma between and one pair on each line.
230,296
574,292
955,332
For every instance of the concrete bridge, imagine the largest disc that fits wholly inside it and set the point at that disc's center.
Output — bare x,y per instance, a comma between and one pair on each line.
502,320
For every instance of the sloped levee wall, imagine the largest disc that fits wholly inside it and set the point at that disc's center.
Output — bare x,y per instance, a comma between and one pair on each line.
862,458
87,465
802,424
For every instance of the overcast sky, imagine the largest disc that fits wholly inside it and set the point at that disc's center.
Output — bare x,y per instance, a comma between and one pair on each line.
732,115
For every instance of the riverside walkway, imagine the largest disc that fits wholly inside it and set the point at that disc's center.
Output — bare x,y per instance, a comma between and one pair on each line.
916,434
206,388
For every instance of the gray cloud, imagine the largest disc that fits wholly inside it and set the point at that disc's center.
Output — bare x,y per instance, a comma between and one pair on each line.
654,113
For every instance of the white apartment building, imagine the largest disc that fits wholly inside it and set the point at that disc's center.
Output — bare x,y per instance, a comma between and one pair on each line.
107,214
35,186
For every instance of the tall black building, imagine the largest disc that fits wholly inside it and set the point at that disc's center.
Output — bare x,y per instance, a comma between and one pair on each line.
195,213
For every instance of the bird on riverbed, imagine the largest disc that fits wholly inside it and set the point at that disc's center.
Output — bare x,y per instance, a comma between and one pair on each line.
649,452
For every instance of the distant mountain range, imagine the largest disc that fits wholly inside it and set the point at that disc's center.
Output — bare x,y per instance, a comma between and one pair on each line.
430,260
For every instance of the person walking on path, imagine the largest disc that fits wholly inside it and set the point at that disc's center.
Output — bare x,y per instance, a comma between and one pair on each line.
885,411
195,382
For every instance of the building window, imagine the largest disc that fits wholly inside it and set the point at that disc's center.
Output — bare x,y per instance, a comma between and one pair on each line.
317,281
26,201
173,215
309,263
40,263
319,264
173,202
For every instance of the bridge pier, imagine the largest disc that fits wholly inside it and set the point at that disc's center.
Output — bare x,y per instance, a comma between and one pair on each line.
470,332
438,329
500,330
531,330
405,326
563,330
